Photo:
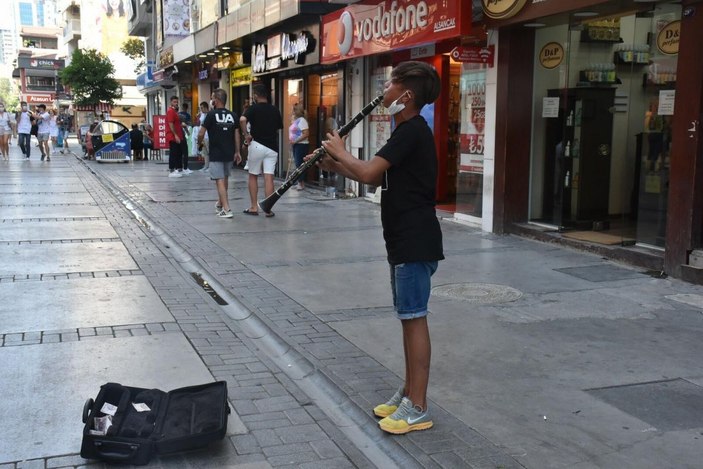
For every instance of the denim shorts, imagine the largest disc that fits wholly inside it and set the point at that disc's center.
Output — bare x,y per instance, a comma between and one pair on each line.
410,283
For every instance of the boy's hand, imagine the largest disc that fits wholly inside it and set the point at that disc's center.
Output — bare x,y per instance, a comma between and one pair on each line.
334,145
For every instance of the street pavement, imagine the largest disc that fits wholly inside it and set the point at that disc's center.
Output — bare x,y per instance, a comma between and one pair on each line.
543,356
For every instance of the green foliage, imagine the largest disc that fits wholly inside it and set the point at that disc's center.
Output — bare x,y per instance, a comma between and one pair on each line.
9,94
90,77
134,49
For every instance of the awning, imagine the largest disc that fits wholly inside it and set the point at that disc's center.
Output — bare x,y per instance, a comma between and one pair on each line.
100,107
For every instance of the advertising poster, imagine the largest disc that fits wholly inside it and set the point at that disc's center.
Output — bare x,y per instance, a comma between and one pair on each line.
159,127
114,149
473,121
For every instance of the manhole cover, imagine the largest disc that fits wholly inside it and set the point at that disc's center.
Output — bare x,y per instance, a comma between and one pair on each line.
478,293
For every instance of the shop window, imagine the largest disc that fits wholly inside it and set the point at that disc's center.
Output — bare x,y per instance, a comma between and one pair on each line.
603,102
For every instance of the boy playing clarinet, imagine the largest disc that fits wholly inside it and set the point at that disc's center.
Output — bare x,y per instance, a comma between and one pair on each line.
406,169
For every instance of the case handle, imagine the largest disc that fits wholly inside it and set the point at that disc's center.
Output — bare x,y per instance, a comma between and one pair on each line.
87,407
115,450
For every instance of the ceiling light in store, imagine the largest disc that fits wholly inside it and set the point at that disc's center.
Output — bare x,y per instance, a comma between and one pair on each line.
534,25
585,14
217,51
187,61
210,53
225,47
202,56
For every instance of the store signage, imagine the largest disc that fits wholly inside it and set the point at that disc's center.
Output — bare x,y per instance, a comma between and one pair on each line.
502,9
669,37
40,64
296,46
203,74
160,132
289,50
166,58
258,55
551,55
422,51
240,76
235,59
368,28
273,45
474,54
39,98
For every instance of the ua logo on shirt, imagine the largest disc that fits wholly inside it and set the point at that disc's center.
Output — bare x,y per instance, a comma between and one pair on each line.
224,118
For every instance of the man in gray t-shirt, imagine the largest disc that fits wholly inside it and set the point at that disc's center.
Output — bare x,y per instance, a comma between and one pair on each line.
43,133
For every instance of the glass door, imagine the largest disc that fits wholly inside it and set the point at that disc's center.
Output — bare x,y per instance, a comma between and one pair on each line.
293,94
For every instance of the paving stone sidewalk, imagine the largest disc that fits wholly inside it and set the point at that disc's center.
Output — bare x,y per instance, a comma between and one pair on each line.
363,379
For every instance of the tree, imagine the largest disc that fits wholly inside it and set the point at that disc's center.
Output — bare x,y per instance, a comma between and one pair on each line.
134,49
9,94
90,77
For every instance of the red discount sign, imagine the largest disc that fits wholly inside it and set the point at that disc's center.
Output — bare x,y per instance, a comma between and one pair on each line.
160,133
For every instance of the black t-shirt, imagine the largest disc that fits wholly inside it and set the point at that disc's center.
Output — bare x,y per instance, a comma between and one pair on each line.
266,121
410,225
221,125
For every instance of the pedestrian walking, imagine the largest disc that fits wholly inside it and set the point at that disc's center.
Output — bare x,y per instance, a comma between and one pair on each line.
221,126
136,142
53,132
24,119
63,120
7,121
174,137
43,132
261,139
298,136
186,122
405,168
204,149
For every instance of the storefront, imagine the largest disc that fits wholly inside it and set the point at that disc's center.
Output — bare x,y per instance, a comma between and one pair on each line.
591,156
287,63
371,37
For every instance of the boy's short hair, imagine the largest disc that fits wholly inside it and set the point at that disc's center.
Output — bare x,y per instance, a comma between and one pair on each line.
42,106
419,77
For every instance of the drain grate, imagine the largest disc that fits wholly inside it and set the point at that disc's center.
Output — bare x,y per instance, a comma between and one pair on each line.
674,404
478,293
600,273
208,289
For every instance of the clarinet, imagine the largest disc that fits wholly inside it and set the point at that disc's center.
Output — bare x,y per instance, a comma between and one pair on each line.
269,201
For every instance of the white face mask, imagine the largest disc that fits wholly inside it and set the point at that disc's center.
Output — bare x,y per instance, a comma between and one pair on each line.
24,108
395,107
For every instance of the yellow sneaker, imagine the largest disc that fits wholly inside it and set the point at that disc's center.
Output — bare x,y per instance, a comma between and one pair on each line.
406,419
384,410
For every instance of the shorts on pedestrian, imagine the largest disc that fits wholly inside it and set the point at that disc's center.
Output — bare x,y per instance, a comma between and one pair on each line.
261,156
43,137
4,131
220,169
410,283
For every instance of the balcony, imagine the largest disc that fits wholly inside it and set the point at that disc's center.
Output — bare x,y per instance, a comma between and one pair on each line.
72,30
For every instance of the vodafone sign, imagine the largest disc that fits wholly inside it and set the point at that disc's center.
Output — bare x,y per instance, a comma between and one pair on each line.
372,27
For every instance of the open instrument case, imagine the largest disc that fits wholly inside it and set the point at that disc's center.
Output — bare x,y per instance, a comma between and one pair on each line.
144,422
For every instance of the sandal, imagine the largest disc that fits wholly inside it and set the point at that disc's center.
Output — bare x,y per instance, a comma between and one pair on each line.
269,214
251,212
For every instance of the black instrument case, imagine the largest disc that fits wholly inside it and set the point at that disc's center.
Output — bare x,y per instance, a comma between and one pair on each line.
179,420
